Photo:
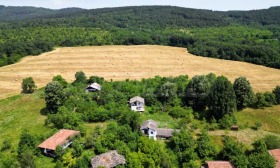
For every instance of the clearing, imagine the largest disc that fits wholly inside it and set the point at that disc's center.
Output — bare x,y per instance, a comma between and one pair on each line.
123,62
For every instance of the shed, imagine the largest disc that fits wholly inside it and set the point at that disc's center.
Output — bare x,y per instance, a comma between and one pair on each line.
108,160
164,133
137,103
61,138
276,154
93,87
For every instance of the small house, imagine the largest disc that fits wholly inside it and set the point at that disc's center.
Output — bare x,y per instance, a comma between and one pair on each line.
61,138
149,128
93,87
276,154
218,164
137,104
108,160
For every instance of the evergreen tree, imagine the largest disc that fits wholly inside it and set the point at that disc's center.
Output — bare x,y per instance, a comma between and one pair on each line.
221,99
243,91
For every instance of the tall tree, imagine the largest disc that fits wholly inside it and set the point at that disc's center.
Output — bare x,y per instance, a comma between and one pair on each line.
80,77
276,91
28,85
54,96
221,99
197,92
167,92
243,91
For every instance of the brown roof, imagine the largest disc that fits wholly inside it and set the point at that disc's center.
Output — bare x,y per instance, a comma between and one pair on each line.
108,160
137,98
164,132
59,138
149,124
276,154
219,164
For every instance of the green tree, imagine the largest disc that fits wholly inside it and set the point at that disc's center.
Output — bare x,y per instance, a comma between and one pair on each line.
272,142
197,92
27,160
276,91
96,79
28,85
260,158
206,150
61,80
27,143
221,99
243,91
80,78
167,92
54,96
234,152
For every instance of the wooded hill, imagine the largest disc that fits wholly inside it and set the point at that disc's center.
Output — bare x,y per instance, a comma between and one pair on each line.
251,36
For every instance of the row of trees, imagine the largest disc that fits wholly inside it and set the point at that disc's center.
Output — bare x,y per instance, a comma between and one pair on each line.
213,98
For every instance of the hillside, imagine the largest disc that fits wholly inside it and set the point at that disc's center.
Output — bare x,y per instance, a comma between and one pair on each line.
11,13
128,62
248,36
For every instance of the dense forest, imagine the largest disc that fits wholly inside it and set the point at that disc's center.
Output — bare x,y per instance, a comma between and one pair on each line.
251,36
194,107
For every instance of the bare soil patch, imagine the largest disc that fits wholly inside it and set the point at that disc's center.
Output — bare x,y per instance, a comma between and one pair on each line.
123,62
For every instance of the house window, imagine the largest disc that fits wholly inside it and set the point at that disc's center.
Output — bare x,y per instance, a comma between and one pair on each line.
152,132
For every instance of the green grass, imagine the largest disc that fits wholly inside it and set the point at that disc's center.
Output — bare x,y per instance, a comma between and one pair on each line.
269,117
23,112
163,119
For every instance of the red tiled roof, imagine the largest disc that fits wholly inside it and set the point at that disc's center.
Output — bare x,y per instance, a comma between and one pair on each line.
219,164
276,154
58,139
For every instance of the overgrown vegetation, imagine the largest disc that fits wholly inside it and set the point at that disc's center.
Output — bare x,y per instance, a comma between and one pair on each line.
168,99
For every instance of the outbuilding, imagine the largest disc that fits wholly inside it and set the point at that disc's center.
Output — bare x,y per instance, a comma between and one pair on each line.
93,87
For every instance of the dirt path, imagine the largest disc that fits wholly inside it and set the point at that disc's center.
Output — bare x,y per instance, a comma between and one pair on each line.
133,62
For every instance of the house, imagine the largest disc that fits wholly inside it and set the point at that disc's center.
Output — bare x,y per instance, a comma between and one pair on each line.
150,128
137,104
108,160
276,154
93,87
218,164
61,138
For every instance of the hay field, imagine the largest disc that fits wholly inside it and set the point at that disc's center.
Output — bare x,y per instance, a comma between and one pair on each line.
133,62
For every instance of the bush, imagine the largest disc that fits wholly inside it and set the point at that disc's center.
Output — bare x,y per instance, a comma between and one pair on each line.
28,85
266,99
272,142
6,145
179,112
258,125
227,121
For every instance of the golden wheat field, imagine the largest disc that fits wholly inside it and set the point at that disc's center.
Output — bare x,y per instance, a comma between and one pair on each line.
133,62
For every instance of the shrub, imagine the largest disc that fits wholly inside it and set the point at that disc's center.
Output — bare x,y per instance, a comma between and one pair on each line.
272,142
276,92
28,85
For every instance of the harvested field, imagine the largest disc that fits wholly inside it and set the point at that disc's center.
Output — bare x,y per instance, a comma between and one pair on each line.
133,62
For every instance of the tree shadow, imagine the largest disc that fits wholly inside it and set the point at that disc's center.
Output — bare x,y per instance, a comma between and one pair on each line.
44,111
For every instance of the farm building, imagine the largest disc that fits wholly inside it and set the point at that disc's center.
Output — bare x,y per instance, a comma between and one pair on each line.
61,138
108,160
93,87
137,104
150,128
218,164
276,154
